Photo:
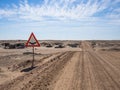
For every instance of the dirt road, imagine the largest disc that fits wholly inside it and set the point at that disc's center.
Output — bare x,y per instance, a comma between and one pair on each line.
72,70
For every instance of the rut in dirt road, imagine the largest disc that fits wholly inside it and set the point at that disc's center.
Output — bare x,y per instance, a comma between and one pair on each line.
106,73
65,80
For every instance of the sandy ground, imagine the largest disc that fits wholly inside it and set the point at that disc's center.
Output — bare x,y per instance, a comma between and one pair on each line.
60,69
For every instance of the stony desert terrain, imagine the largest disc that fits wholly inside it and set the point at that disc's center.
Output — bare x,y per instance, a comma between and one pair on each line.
91,65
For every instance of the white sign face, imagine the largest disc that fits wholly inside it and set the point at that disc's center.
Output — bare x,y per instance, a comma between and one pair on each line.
32,40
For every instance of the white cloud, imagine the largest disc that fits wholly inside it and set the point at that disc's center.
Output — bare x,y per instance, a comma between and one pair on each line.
7,13
54,9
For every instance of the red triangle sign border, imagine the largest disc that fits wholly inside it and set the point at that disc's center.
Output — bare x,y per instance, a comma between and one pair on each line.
37,43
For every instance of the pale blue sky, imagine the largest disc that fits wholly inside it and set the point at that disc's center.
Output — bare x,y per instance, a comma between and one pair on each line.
60,19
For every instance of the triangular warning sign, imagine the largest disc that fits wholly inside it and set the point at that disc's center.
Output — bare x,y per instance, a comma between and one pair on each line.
32,41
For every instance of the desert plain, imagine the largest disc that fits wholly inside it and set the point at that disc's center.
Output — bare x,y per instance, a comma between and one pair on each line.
77,65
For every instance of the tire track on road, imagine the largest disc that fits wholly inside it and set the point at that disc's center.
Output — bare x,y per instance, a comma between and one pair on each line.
65,80
105,73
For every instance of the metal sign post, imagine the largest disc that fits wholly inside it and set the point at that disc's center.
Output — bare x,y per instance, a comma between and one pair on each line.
33,59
